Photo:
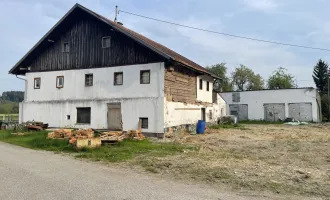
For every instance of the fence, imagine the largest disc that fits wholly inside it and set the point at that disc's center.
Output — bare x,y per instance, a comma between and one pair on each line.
9,117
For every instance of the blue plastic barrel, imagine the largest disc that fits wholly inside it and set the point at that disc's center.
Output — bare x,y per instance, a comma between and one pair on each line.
200,128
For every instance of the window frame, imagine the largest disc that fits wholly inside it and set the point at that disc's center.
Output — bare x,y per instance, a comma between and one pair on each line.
90,115
57,78
34,83
201,84
207,86
141,76
64,49
87,85
144,118
115,74
102,43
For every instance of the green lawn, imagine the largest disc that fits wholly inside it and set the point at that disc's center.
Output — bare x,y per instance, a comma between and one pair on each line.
123,151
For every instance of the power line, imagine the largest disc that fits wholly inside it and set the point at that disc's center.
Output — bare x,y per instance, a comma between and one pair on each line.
227,34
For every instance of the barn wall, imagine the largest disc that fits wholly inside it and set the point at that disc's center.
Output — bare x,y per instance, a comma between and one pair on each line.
103,84
55,113
85,43
256,99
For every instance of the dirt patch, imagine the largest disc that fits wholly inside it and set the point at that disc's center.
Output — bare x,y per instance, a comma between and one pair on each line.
279,158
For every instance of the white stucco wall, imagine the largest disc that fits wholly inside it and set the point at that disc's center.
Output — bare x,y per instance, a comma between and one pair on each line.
204,95
177,113
103,87
52,105
256,100
55,113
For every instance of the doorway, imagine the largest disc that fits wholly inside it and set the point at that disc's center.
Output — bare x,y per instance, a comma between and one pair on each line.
203,117
114,116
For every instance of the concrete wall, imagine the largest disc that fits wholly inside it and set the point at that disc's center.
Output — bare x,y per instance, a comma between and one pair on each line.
204,95
256,99
52,105
103,86
176,113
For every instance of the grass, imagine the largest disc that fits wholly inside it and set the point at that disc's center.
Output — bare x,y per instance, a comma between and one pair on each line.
227,126
258,122
123,151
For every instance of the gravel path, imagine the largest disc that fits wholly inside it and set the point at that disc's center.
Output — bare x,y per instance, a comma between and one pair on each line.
30,174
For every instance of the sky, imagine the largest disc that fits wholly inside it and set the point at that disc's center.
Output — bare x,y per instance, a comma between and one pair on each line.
24,22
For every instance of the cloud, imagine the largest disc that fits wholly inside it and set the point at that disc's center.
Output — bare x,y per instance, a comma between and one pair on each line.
262,5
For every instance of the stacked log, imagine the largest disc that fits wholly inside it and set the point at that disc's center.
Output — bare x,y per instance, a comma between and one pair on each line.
135,134
83,133
112,136
61,133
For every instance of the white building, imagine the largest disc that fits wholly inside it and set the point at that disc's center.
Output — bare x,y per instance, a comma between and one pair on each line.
88,71
303,104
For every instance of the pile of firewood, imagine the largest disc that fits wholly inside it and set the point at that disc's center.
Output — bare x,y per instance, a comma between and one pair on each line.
61,133
135,134
83,133
113,136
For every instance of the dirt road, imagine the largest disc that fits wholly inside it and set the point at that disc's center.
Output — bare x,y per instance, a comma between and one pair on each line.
29,174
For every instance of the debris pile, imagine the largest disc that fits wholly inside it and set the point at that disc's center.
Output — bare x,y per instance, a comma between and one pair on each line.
135,134
83,133
61,133
113,136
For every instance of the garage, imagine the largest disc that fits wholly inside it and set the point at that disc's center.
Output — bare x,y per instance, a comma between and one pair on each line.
239,110
274,112
301,111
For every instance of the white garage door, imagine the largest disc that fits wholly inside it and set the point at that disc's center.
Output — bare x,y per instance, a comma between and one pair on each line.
301,111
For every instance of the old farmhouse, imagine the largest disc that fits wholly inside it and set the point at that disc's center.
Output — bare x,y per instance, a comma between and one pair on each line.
89,71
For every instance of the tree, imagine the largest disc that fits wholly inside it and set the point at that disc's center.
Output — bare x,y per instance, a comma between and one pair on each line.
224,83
245,79
321,75
280,79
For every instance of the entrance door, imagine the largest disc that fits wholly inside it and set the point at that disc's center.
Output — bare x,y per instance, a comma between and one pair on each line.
114,116
274,112
239,110
301,111
203,114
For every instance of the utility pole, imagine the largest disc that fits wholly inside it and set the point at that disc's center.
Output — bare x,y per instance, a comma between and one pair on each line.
116,14
328,99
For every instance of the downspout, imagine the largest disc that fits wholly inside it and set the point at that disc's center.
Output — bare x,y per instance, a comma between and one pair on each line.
25,95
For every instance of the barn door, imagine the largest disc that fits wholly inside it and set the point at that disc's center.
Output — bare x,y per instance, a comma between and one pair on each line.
301,111
114,116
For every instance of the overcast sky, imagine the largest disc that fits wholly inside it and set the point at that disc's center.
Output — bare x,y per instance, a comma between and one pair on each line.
24,22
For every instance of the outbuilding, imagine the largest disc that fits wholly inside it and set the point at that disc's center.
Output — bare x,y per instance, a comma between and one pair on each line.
303,104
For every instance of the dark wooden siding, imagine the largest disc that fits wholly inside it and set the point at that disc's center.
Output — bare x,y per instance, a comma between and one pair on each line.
84,38
180,85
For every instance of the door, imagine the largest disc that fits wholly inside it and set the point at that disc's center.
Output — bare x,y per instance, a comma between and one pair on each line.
239,110
274,112
301,111
203,117
114,116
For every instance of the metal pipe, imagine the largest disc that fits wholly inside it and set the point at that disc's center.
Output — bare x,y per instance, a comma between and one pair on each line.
328,99
20,78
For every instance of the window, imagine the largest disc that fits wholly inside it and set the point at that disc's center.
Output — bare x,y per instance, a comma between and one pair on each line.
200,84
106,42
118,78
210,114
37,83
144,123
84,115
207,86
88,80
236,97
59,81
145,76
66,47
68,117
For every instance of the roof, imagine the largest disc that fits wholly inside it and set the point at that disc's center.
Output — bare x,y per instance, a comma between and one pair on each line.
154,46
301,88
